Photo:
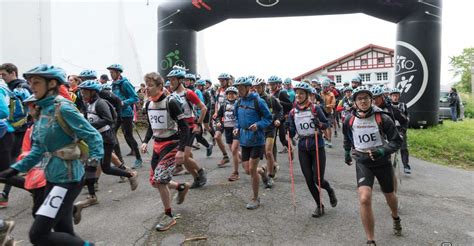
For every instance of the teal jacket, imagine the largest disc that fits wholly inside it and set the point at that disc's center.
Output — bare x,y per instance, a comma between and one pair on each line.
4,109
125,91
48,136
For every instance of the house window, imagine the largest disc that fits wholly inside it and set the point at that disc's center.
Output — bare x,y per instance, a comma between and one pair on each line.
382,76
338,78
365,77
380,60
364,62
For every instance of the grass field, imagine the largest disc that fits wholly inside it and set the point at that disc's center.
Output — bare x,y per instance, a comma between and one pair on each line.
449,143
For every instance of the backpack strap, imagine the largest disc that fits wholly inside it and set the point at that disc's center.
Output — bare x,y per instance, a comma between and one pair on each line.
378,119
61,122
351,121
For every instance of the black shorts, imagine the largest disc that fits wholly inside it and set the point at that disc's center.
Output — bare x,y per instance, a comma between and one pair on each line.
253,152
207,117
190,141
383,173
270,133
229,135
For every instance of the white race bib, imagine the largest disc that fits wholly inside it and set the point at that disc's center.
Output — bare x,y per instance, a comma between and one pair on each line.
158,118
366,134
229,119
304,123
52,203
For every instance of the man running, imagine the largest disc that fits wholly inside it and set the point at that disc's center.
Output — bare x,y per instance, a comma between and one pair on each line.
253,116
372,137
169,129
225,82
329,106
402,128
284,100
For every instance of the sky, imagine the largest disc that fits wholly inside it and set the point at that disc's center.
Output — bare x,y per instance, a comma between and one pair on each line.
287,47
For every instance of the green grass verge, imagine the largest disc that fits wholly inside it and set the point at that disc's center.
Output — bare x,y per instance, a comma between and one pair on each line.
450,143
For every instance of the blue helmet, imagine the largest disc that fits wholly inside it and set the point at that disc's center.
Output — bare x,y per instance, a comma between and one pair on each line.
106,87
116,67
90,85
224,76
243,81
376,91
177,72
167,83
88,74
47,72
304,86
357,79
201,82
30,99
347,88
190,76
361,89
287,81
274,79
231,89
395,91
386,89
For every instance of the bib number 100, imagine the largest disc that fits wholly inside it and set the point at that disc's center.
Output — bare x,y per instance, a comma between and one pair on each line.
306,125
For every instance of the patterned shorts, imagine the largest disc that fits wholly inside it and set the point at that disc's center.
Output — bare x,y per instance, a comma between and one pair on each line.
163,162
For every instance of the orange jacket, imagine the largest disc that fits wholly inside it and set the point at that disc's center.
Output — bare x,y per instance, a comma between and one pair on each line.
329,101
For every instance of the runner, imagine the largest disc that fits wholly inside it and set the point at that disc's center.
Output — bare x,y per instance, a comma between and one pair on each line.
188,99
306,120
346,104
224,80
122,88
329,106
289,89
102,117
252,117
170,131
226,123
206,99
271,169
372,137
60,158
284,100
356,82
402,129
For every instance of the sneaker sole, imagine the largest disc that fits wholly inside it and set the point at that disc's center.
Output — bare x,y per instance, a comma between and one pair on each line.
168,227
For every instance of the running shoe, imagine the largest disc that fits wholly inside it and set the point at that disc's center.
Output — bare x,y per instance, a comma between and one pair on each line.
269,183
284,150
89,201
5,231
202,177
397,226
133,180
332,198
253,204
224,161
407,169
209,150
182,194
77,214
166,222
318,212
264,176
276,168
3,201
234,177
10,241
138,164
371,243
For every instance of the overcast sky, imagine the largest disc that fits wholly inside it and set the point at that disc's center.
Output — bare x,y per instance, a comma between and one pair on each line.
283,46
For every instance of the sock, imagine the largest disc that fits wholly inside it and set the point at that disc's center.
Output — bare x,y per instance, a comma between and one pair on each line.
180,187
168,212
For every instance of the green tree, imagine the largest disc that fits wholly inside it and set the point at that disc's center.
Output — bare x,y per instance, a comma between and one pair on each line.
461,66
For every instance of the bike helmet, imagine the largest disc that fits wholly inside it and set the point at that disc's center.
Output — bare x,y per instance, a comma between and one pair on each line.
346,83
47,72
224,76
304,86
90,85
200,82
287,81
167,83
106,87
252,77
190,76
376,91
395,91
347,88
258,81
208,81
231,89
325,84
357,79
30,99
116,67
178,73
315,80
274,79
242,81
359,90
88,74
386,89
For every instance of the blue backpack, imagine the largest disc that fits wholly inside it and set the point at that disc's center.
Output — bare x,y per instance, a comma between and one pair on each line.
18,113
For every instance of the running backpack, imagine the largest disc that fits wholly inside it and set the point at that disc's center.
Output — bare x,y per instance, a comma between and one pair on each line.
378,119
18,114
256,106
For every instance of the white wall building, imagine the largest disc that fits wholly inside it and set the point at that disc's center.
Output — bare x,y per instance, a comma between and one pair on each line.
373,63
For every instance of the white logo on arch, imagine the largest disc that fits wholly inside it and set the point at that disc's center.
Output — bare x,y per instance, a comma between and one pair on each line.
267,3
405,83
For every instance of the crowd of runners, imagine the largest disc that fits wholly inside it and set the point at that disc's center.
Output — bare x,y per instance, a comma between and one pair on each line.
61,131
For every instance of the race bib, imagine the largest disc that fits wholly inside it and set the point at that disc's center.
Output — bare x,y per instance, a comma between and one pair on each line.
158,118
304,123
229,119
52,203
366,134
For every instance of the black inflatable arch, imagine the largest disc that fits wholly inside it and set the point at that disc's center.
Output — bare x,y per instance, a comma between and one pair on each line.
417,68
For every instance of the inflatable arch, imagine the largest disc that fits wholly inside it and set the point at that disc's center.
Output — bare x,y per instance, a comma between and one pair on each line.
418,46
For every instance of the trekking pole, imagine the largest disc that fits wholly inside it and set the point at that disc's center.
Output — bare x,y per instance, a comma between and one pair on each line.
291,173
138,133
317,166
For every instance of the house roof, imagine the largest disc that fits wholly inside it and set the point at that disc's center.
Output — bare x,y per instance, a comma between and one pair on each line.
355,53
